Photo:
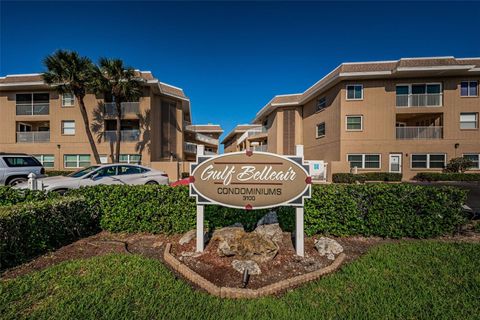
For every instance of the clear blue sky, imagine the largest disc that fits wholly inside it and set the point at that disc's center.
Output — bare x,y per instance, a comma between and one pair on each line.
232,58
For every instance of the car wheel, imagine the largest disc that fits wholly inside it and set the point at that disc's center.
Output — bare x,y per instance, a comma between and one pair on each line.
151,183
61,191
16,181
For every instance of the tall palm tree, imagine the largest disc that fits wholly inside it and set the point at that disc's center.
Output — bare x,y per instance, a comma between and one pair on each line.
112,76
69,72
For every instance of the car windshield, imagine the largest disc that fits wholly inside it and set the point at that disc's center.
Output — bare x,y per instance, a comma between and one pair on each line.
82,172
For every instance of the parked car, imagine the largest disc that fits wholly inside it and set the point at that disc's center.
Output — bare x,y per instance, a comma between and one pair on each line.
15,168
108,174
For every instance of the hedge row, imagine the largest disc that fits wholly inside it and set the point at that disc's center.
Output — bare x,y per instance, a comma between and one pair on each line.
386,210
52,173
31,228
9,196
438,176
368,176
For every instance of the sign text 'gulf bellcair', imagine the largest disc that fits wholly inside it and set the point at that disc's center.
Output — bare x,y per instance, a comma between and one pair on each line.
250,180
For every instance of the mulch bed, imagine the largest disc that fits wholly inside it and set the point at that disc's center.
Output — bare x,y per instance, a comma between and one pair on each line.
286,263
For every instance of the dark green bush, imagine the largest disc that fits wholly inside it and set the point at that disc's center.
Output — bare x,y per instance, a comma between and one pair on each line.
382,176
185,175
10,196
348,178
386,210
368,176
156,209
31,228
52,173
438,176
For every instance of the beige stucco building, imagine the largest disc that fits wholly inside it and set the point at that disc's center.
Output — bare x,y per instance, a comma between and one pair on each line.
407,116
157,130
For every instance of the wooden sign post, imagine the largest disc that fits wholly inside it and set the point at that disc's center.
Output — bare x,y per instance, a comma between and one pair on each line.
251,180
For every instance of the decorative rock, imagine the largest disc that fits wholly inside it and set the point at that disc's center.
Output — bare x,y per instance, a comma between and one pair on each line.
270,231
328,247
251,266
157,244
227,239
190,254
190,235
187,237
269,218
256,247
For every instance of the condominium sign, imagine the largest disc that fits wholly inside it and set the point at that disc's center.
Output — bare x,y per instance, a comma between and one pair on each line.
250,180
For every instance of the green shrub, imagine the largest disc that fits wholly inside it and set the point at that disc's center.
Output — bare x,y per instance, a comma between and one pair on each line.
156,209
52,173
368,176
185,175
10,196
31,228
438,176
459,164
348,178
382,176
386,210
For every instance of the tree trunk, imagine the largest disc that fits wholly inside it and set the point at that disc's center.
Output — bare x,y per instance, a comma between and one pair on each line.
86,123
118,105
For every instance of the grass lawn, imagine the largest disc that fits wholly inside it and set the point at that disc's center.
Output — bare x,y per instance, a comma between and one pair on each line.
408,280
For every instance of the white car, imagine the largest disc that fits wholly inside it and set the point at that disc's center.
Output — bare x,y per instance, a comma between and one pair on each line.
109,174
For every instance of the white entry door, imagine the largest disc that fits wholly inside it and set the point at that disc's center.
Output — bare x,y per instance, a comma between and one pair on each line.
395,164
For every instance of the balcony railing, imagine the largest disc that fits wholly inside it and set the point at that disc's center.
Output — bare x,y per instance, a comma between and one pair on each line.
125,135
263,148
32,109
419,133
206,139
127,108
33,137
251,132
419,100
192,148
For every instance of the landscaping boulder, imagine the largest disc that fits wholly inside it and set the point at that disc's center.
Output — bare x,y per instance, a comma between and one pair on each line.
269,218
250,265
328,247
190,235
270,231
234,241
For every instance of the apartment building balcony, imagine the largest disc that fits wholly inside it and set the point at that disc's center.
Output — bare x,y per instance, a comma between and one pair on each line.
419,100
191,148
33,137
252,133
128,108
33,109
205,138
125,135
419,133
262,148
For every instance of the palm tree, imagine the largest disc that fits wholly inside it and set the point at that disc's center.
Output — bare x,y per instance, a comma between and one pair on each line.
69,72
112,76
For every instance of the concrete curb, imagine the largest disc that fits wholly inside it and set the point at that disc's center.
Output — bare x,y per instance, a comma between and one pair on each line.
239,293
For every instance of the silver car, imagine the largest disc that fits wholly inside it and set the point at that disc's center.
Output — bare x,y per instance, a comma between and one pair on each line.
15,168
109,174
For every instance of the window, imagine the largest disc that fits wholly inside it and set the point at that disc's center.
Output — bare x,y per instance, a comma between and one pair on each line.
469,89
354,123
475,158
321,130
32,103
68,99
428,161
468,120
122,170
321,103
130,158
68,127
76,160
354,92
47,160
22,162
107,172
364,161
